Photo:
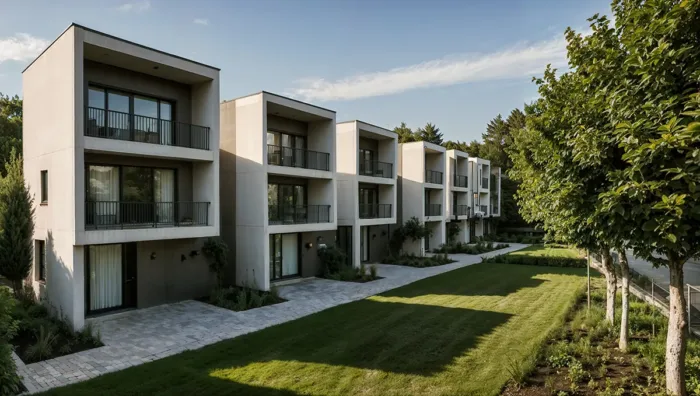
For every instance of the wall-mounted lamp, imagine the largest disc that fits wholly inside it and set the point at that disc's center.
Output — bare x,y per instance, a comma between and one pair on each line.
182,257
319,240
194,253
308,245
153,256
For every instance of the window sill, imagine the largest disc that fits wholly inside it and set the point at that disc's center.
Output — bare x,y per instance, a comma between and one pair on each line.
44,203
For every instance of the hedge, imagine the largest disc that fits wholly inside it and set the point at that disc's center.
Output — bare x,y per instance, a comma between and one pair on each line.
544,261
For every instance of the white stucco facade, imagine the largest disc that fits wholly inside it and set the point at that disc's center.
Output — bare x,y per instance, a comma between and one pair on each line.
255,163
55,90
367,158
422,168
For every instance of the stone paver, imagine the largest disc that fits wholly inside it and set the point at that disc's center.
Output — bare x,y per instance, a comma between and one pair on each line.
136,337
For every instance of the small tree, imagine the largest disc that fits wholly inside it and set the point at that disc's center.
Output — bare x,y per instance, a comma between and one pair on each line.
332,259
16,225
216,251
412,229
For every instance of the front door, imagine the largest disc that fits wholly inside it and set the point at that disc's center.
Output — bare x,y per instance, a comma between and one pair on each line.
364,243
284,256
130,284
344,238
106,278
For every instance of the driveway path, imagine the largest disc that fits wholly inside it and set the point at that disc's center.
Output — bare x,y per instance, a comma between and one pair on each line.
139,336
691,271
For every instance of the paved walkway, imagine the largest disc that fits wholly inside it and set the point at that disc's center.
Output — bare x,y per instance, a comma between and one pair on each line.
136,337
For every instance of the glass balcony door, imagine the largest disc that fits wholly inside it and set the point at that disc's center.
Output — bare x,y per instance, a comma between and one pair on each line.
288,150
287,203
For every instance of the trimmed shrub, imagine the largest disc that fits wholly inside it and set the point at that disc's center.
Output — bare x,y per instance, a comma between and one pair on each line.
544,261
411,260
465,248
332,260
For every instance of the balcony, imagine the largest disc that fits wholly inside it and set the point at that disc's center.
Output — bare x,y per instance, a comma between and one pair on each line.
303,214
433,177
124,215
433,210
461,210
298,158
461,181
484,209
485,182
377,169
375,211
116,125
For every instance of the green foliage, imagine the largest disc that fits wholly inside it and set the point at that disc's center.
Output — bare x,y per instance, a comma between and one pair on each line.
429,133
16,225
412,229
10,129
238,298
452,232
545,261
332,260
10,382
216,251
43,348
411,260
405,133
512,238
465,248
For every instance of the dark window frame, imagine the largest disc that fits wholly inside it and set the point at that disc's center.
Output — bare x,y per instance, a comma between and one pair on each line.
131,94
88,311
121,179
44,187
41,260
272,248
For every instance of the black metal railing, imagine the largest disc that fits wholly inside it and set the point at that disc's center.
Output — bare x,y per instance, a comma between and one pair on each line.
461,181
300,214
432,176
375,211
118,215
461,210
433,210
377,169
484,182
298,158
116,125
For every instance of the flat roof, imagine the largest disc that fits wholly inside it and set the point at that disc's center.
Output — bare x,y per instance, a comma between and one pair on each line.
279,96
366,123
116,38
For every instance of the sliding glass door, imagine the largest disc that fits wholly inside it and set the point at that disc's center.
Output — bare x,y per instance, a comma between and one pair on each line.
102,195
106,277
284,256
286,203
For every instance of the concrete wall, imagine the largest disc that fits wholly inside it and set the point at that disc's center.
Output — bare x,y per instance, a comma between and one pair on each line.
286,125
411,173
134,82
52,120
167,278
370,144
435,162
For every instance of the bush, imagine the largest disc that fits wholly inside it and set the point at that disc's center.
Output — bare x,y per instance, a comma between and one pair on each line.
545,261
411,260
512,238
412,229
465,248
10,382
243,298
216,251
332,259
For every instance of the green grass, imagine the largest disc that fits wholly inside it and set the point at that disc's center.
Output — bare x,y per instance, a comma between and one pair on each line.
452,334
548,251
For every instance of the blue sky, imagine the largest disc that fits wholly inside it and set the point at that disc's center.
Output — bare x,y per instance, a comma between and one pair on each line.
455,63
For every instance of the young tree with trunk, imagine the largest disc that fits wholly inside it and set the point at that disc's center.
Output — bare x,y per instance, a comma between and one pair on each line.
16,225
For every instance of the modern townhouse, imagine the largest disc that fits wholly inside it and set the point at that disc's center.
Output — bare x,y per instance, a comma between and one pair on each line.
278,184
458,208
366,165
422,191
121,154
480,175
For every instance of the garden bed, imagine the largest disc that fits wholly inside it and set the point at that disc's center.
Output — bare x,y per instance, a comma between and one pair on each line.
238,298
411,260
539,255
470,248
583,357
352,274
41,336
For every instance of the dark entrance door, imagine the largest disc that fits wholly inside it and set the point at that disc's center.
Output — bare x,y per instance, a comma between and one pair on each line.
472,230
130,284
344,238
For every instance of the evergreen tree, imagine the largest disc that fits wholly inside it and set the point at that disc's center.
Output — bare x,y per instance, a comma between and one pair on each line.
10,128
405,133
430,133
16,225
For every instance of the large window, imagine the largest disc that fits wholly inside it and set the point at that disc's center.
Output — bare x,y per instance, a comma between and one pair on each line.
127,116
286,203
129,194
44,186
286,150
366,162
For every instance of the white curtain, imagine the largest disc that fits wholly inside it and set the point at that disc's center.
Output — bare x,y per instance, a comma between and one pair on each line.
103,190
105,276
290,254
165,194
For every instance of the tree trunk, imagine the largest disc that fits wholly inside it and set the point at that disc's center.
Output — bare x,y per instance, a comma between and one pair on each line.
677,337
625,272
611,289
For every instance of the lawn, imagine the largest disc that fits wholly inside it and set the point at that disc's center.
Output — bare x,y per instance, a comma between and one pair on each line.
549,251
452,334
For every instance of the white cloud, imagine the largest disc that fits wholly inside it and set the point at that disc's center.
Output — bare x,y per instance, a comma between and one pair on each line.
516,62
21,47
136,6
201,21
